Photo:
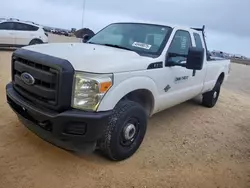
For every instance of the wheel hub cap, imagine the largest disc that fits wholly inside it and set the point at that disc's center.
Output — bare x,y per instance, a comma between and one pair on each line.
129,131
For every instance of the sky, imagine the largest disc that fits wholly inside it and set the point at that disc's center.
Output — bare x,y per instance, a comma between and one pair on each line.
227,21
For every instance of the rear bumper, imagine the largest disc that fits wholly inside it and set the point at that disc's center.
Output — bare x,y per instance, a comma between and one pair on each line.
71,130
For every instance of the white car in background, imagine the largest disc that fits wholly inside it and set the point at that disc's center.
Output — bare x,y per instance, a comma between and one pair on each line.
19,34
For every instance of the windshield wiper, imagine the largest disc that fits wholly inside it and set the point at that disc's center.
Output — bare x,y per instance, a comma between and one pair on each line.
91,43
117,46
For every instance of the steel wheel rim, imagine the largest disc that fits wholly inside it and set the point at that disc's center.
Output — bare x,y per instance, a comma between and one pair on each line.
129,132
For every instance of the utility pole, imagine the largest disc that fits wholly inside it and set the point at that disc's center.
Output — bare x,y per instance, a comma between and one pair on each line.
83,11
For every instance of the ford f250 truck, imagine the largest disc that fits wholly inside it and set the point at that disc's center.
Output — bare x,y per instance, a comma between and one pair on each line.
100,94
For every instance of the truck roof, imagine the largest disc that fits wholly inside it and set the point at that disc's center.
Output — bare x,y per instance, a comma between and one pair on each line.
169,25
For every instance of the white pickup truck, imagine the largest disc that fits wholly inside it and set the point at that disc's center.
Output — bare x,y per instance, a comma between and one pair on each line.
100,94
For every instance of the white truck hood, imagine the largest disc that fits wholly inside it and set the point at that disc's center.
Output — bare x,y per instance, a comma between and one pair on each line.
94,58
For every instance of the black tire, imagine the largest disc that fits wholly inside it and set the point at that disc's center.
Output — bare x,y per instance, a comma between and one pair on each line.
35,41
210,98
128,118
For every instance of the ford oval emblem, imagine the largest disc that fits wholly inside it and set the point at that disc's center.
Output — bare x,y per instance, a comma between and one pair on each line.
27,78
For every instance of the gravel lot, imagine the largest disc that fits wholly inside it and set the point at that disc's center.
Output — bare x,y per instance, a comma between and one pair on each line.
185,146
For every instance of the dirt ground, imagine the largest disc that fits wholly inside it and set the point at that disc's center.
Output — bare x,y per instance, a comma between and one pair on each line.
185,146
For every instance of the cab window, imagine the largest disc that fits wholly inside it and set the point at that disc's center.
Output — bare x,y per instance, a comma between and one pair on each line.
6,26
24,27
178,49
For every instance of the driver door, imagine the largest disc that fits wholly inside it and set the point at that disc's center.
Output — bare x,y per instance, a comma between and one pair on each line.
178,81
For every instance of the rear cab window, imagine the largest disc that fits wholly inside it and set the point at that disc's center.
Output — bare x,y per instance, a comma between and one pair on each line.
200,43
197,39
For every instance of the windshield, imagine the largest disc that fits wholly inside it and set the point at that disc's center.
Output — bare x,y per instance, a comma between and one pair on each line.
141,38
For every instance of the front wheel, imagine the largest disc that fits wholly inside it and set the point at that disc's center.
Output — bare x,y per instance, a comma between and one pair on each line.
125,131
210,98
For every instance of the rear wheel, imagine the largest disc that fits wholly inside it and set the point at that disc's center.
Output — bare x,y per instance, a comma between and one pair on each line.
35,41
125,131
210,98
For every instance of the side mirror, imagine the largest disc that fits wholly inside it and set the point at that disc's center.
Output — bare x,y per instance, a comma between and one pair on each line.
85,38
195,58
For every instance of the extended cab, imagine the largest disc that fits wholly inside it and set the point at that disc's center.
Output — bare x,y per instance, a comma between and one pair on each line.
100,94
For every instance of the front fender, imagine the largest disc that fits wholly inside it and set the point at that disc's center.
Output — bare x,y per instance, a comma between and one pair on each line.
119,90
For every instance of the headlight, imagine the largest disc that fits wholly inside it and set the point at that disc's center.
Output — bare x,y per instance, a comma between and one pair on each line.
89,89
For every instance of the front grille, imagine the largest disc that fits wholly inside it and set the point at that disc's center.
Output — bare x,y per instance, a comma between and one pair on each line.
46,81
53,79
